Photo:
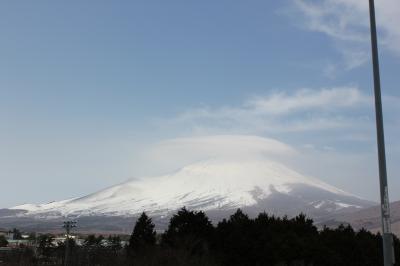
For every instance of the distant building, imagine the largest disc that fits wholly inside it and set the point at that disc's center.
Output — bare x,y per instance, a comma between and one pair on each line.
20,243
9,235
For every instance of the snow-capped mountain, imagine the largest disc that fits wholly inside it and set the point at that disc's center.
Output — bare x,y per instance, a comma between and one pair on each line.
217,186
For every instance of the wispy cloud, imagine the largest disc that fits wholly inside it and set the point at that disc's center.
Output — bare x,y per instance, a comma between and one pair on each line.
327,133
347,23
307,99
299,111
337,19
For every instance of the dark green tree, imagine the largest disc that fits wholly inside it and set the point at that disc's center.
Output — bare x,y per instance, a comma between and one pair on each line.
45,245
143,234
190,230
3,241
92,241
95,250
233,238
114,243
32,236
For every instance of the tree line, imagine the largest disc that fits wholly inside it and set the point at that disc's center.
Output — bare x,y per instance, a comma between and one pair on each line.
191,239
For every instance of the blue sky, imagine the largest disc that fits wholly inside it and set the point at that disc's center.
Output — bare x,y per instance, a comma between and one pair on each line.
90,91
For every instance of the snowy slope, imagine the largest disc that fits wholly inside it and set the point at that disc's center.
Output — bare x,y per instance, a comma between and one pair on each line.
215,184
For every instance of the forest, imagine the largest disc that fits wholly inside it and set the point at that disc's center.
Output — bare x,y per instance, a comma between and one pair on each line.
192,239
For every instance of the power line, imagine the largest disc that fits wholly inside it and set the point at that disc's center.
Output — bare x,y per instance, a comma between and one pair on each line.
68,225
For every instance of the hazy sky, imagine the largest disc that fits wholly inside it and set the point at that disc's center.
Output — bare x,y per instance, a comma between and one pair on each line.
96,92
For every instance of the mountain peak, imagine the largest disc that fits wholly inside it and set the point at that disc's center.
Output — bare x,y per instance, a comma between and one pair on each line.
212,184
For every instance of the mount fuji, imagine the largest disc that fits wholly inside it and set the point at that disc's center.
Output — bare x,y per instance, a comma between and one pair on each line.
216,186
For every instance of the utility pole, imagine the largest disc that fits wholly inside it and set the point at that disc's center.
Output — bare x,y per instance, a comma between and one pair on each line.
388,250
68,225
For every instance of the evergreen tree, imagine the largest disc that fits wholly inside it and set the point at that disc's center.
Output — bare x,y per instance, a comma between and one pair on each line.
32,236
143,234
235,240
3,241
191,239
114,243
92,241
45,244
189,230
94,249
239,218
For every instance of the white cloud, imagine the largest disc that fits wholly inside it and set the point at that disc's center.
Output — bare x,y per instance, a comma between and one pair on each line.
175,153
344,170
330,135
302,110
347,23
337,19
306,99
